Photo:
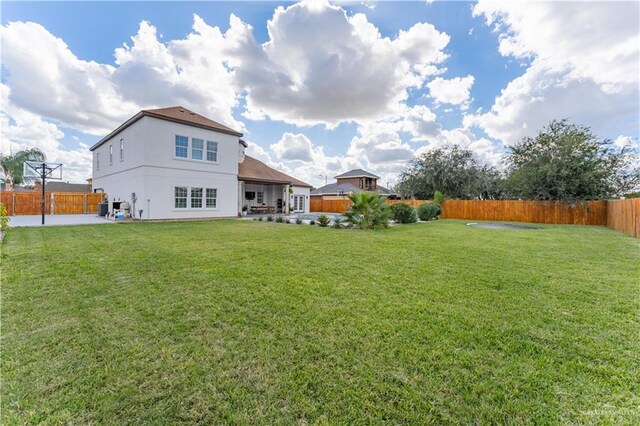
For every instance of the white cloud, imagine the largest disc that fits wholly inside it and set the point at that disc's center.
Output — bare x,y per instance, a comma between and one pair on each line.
293,147
20,129
95,98
622,141
454,91
350,73
256,151
596,40
584,66
487,151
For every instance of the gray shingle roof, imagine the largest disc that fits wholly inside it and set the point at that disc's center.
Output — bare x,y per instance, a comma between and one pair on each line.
357,173
67,187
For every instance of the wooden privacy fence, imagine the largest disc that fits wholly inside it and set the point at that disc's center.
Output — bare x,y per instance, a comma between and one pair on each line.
26,203
591,213
624,216
621,215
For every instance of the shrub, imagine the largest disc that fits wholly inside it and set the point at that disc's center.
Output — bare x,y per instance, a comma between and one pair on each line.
269,218
279,219
337,223
403,213
438,198
312,222
4,218
260,219
429,211
298,221
323,220
368,211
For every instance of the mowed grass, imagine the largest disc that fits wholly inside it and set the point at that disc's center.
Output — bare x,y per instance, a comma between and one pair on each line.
264,323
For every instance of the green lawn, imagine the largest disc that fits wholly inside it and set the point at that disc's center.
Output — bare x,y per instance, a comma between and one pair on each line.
254,322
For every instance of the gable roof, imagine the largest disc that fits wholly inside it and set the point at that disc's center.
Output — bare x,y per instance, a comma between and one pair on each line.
255,170
176,114
357,173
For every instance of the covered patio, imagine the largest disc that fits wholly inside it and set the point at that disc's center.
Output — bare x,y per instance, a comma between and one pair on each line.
264,190
263,197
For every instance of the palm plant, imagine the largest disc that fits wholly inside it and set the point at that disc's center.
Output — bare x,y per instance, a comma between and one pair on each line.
368,211
12,165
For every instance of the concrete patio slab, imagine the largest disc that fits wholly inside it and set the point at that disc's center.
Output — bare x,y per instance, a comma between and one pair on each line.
57,220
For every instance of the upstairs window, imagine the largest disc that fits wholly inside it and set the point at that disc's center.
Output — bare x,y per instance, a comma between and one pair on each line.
121,149
182,146
212,151
110,154
196,148
97,161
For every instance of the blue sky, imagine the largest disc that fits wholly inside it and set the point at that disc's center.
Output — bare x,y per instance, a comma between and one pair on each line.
320,93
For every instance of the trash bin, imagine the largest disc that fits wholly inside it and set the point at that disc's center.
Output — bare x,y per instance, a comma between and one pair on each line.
103,209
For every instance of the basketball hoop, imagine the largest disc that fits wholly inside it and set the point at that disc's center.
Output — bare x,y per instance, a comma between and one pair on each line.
43,171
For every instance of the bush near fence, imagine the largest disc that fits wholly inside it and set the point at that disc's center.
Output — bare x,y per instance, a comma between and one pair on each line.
621,215
29,202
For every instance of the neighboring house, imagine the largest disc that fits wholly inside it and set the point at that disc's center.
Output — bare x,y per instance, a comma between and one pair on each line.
16,188
52,185
178,164
353,181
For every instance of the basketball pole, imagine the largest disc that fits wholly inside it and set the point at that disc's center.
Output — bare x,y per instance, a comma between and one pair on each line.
42,176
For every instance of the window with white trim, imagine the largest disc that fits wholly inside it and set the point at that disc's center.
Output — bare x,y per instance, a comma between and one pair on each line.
182,146
110,154
212,151
180,197
212,198
260,197
196,198
97,161
196,148
121,149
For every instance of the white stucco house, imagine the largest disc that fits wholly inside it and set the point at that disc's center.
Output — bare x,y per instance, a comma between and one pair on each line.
178,164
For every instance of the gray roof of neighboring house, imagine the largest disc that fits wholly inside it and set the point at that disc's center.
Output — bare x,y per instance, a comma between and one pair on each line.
357,173
67,187
335,188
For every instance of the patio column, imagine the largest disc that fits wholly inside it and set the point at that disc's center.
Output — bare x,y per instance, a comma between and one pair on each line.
288,196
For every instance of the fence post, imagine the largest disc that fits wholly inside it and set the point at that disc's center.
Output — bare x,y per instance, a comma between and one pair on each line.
14,202
53,202
84,205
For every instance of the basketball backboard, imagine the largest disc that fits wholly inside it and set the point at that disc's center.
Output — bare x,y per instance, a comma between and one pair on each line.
34,170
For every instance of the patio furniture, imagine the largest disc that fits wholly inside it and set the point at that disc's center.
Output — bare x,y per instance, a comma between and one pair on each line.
262,209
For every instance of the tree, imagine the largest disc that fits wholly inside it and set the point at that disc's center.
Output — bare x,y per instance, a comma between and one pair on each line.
13,165
368,211
453,171
566,162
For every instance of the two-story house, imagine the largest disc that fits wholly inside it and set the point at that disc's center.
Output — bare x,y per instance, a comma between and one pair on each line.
178,164
353,181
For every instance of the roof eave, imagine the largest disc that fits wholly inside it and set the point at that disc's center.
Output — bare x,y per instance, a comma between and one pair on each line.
272,181
141,114
120,128
189,123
